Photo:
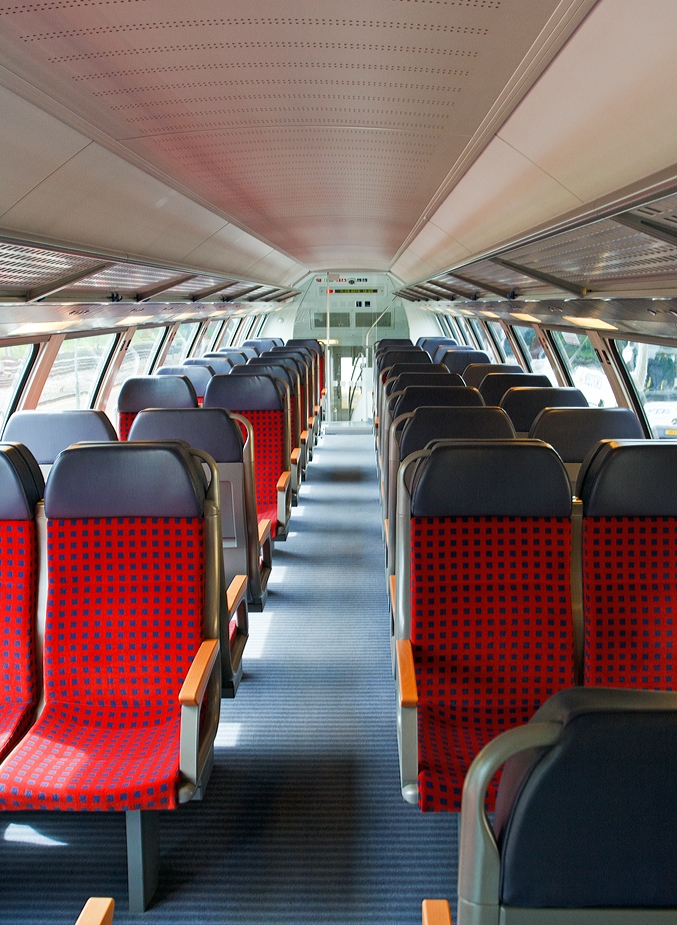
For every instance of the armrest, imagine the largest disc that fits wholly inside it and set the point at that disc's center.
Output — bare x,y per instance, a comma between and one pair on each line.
97,911
385,530
283,481
264,531
406,674
296,454
236,593
436,912
311,421
304,436
393,591
195,683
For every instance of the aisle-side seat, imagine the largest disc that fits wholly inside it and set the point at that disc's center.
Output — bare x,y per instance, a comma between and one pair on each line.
219,365
430,344
309,423
474,373
494,385
139,392
484,630
236,356
579,834
573,432
302,426
21,489
260,344
439,351
261,400
629,493
315,347
133,605
47,433
246,542
524,404
457,360
393,372
397,381
199,375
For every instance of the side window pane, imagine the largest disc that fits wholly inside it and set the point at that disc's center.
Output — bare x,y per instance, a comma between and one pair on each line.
483,340
503,343
586,371
652,369
227,339
14,360
136,362
537,359
181,344
206,338
76,372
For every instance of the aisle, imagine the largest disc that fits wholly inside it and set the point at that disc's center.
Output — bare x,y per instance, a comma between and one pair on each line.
303,822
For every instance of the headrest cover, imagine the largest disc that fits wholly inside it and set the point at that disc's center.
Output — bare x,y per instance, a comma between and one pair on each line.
233,357
438,352
219,365
458,360
629,478
260,343
208,429
21,483
460,423
125,480
198,375
281,362
240,393
290,376
398,368
47,433
523,405
495,385
407,380
141,392
573,432
414,355
513,478
475,372
432,343
416,396
310,343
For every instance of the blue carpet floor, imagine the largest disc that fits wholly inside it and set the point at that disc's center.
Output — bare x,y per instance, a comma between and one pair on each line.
303,821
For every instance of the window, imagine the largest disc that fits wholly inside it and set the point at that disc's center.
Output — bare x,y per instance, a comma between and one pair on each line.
502,342
182,343
456,330
651,369
535,353
76,373
206,338
579,356
137,361
15,361
482,339
336,320
369,319
231,328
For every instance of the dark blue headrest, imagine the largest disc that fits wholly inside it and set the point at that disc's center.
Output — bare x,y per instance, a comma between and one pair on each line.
234,357
475,372
198,375
302,360
457,361
495,385
273,359
581,825
208,429
412,355
626,478
240,393
278,341
523,405
573,432
21,483
299,350
411,380
141,392
386,343
398,368
125,480
439,352
260,343
310,343
249,352
277,370
443,422
415,396
47,433
512,478
430,344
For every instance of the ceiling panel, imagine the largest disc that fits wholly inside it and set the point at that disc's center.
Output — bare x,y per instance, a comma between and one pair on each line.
23,268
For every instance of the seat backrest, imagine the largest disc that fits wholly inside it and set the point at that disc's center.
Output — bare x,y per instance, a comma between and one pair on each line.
494,385
430,375
260,343
220,364
461,423
409,355
47,433
265,365
523,405
387,343
474,373
199,375
629,494
247,352
430,344
141,392
415,396
235,357
441,349
457,360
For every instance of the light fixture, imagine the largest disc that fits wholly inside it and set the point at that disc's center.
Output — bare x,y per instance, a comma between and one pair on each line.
490,314
596,324
523,316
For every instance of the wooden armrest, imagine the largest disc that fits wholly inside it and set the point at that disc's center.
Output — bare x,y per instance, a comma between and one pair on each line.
406,674
385,525
324,392
98,910
195,684
393,586
316,409
376,420
311,422
235,593
295,456
283,481
304,436
436,912
264,531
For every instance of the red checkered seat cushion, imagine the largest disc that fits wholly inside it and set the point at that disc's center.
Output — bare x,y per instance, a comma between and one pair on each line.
268,427
125,421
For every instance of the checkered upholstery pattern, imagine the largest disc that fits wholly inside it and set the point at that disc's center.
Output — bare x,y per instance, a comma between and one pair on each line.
268,429
125,421
18,593
630,601
124,620
491,632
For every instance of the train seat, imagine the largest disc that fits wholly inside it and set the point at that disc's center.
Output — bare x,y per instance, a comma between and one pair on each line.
407,355
494,385
318,353
219,365
248,352
573,432
392,372
235,357
141,392
198,375
474,373
439,351
261,400
261,344
523,405
430,344
21,488
305,360
47,433
629,493
457,361
579,834
483,619
122,516
399,377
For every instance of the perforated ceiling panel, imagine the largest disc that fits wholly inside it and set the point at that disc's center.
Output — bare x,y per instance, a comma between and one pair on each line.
324,129
23,268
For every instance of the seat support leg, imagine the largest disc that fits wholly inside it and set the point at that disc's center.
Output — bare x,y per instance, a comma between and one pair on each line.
143,857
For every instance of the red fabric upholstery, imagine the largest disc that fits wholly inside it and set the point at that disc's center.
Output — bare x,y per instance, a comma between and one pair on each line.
492,636
125,421
18,592
630,601
124,620
268,429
